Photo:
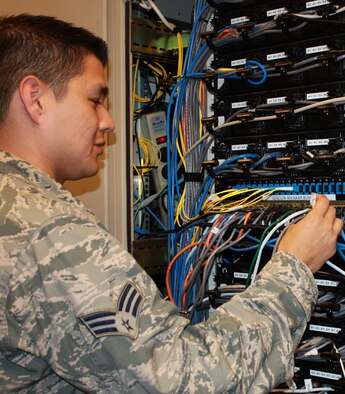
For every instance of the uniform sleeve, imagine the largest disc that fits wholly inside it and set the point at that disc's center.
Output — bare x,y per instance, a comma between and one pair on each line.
84,306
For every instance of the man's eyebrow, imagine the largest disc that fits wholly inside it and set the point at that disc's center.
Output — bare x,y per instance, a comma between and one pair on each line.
101,91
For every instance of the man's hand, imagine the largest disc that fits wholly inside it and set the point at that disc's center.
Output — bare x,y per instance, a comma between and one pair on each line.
314,238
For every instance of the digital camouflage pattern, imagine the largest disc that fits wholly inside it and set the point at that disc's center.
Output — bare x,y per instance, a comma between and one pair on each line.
78,314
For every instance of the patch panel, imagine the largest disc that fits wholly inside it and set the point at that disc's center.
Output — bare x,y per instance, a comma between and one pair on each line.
288,27
287,65
285,109
294,189
267,10
227,145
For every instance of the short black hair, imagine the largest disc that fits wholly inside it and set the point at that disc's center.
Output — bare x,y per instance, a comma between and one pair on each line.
44,46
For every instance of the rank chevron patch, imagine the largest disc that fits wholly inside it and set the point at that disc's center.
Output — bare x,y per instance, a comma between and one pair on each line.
122,320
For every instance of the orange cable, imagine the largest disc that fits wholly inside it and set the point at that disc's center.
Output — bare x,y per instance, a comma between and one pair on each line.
244,222
172,263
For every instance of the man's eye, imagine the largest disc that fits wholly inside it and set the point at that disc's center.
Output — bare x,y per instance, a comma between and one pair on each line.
96,101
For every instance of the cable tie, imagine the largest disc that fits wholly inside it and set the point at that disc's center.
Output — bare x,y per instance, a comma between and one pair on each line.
194,177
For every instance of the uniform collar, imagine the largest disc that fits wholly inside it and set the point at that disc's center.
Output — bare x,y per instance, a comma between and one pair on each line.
16,167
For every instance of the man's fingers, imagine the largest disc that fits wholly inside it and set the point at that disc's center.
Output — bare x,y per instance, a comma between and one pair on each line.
338,225
330,214
330,217
321,206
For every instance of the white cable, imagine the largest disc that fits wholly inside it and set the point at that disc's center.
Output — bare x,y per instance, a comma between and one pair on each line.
330,264
205,136
339,100
143,4
341,150
316,16
160,15
312,390
268,236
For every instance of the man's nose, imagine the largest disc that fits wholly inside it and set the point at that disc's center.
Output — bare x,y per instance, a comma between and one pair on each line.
107,123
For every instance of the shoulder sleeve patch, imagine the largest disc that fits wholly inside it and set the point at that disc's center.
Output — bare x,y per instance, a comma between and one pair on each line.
122,320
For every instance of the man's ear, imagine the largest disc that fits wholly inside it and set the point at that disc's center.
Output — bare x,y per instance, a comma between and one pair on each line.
31,91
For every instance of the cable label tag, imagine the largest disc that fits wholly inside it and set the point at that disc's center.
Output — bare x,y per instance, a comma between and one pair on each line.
275,100
240,19
278,144
238,147
317,49
318,142
325,375
326,283
317,95
275,56
326,329
239,104
277,11
238,62
308,385
317,3
240,275
221,120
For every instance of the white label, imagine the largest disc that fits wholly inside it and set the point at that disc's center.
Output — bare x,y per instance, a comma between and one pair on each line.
277,11
327,329
275,56
239,104
274,100
238,62
240,275
316,95
324,141
317,49
238,147
325,375
278,144
299,197
317,3
289,197
221,120
156,123
308,385
328,283
240,19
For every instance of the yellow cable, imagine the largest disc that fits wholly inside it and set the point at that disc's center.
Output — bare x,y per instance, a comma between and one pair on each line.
218,202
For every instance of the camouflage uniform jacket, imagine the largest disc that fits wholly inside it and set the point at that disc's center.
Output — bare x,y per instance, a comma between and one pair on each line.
78,314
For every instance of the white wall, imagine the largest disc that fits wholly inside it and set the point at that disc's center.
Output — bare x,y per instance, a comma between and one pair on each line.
105,193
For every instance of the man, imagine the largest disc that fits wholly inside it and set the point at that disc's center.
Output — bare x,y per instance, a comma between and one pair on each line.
77,312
